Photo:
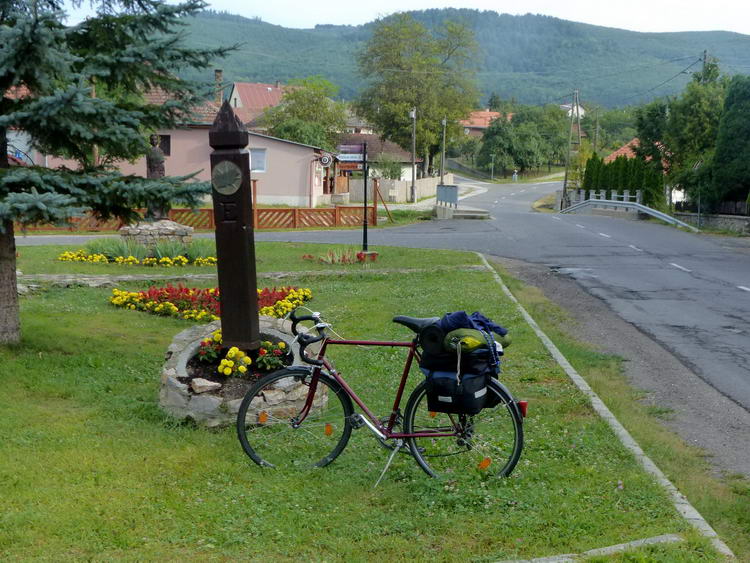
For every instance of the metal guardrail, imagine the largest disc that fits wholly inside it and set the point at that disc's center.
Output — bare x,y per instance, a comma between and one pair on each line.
628,205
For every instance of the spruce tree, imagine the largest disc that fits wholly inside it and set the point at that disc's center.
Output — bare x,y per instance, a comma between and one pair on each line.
78,93
731,163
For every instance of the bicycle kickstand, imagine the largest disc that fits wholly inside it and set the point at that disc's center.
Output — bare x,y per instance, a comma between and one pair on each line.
398,446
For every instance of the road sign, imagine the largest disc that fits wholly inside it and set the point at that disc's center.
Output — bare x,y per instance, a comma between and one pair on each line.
350,166
346,157
350,149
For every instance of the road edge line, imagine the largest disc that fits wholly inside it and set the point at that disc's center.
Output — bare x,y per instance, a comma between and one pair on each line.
679,501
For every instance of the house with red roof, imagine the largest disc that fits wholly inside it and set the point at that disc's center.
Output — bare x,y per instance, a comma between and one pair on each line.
250,99
627,150
478,121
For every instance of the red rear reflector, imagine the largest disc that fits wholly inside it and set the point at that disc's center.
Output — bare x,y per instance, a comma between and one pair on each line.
523,405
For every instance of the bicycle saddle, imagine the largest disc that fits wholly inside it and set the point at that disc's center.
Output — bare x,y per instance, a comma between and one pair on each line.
415,323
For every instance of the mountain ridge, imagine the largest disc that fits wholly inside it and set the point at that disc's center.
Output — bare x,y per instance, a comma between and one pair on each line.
532,58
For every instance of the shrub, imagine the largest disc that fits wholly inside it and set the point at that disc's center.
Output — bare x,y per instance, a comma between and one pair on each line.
114,247
169,249
201,248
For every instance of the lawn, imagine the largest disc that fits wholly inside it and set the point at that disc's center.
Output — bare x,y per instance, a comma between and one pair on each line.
270,257
92,469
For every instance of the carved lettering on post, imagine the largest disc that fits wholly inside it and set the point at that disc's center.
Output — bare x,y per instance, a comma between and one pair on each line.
235,240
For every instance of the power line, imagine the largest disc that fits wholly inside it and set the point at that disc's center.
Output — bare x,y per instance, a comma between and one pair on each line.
683,71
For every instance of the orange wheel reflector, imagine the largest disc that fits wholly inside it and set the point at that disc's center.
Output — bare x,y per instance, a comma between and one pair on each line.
263,417
484,464
329,429
433,414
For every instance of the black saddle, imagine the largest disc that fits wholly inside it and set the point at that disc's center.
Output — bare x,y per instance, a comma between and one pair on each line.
414,323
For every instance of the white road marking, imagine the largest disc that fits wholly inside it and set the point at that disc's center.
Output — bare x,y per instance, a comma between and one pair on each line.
679,267
495,202
605,235
557,219
523,191
580,226
635,248
514,193
743,288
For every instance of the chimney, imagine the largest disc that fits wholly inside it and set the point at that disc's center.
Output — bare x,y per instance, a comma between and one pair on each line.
278,84
219,79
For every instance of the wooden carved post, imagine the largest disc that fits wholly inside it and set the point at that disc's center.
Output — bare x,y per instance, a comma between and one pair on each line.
235,242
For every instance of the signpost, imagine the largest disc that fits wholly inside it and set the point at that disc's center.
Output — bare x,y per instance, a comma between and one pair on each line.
354,157
235,242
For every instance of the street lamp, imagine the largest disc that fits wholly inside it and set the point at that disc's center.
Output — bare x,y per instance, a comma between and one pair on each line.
413,115
442,156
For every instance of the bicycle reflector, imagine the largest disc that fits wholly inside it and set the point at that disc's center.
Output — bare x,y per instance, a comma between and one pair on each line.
523,405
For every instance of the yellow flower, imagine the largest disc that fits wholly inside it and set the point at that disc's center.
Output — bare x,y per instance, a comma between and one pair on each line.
282,345
227,371
247,361
242,369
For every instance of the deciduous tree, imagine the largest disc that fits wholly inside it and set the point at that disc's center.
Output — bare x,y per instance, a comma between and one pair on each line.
405,66
307,113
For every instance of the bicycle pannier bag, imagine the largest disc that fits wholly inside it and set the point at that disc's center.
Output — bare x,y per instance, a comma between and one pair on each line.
459,365
450,392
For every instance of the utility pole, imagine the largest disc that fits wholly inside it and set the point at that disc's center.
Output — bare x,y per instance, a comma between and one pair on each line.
492,168
705,63
413,115
596,130
565,198
442,156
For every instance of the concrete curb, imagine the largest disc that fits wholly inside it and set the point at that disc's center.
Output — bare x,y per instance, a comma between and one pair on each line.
681,504
610,550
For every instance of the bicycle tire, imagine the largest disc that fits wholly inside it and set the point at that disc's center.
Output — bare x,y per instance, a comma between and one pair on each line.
264,420
489,442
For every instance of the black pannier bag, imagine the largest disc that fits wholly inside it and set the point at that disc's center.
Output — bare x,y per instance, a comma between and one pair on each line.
457,381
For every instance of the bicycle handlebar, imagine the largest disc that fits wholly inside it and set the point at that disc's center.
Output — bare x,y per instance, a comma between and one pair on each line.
305,339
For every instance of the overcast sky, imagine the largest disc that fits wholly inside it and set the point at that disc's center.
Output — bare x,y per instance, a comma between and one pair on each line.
636,15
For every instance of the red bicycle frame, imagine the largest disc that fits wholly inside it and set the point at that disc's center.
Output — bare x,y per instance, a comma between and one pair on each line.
387,429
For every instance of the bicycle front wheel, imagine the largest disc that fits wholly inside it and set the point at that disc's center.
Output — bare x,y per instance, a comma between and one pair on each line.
488,442
267,420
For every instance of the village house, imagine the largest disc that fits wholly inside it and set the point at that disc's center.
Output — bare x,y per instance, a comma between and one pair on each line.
478,121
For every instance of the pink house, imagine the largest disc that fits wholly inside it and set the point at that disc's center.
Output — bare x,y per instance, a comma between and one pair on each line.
287,173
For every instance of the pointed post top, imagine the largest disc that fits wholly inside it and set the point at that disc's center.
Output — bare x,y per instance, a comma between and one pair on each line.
227,131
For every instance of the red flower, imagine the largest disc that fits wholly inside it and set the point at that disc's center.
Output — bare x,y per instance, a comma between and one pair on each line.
277,352
263,352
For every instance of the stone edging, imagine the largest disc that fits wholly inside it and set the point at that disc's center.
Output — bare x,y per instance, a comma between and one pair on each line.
205,409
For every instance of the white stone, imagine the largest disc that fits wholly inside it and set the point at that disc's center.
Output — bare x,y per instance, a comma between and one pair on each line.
200,385
204,406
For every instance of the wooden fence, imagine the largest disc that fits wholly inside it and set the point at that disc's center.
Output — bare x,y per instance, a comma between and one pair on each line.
263,218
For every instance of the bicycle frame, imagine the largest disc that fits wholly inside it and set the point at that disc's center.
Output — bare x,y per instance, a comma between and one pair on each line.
387,429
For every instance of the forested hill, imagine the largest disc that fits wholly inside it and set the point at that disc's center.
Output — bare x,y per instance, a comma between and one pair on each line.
532,58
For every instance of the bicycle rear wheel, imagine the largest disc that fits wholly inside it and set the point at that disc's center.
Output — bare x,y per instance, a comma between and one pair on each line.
265,420
488,442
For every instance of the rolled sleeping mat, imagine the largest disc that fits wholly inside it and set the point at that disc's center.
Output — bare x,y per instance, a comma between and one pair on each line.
432,337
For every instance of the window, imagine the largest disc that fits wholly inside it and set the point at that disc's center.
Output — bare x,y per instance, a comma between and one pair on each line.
165,144
258,160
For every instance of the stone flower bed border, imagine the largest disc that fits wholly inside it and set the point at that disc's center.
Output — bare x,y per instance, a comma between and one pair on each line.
206,409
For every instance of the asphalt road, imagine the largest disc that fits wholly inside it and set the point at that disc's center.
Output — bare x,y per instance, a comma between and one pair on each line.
690,292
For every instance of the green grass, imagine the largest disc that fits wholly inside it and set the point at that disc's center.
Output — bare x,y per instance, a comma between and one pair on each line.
270,257
724,502
91,468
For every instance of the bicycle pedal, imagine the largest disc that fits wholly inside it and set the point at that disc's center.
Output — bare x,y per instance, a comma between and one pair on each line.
357,421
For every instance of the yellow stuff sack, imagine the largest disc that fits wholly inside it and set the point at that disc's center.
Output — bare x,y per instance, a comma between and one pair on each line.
469,339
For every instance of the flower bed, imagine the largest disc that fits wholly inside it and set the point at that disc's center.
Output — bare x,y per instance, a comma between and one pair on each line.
81,255
203,305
